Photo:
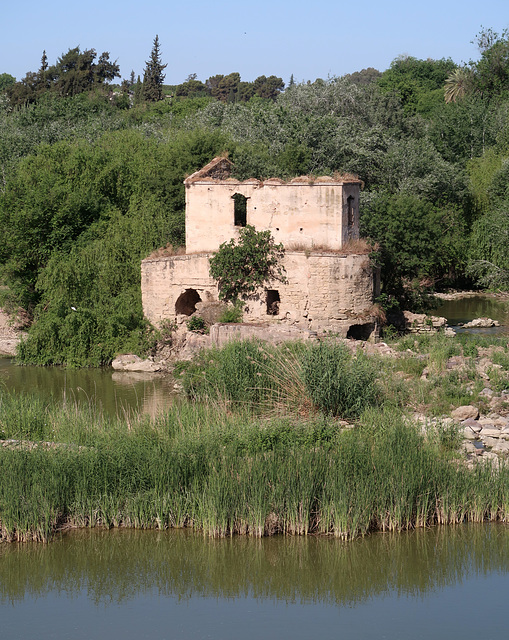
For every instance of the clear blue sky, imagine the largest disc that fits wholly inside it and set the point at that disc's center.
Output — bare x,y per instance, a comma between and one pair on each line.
310,40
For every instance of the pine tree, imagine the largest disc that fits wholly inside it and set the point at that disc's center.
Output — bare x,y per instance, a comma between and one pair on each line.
154,77
138,91
43,79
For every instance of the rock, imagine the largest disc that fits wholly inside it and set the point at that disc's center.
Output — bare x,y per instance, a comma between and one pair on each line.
8,346
422,323
449,332
128,378
474,425
487,392
194,342
489,456
131,362
502,446
469,434
465,412
469,447
481,323
490,442
11,331
489,431
484,368
496,403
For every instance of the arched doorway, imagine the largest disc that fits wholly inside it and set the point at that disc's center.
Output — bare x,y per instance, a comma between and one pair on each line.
186,302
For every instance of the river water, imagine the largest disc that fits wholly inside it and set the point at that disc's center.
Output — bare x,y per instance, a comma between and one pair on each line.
443,583
461,310
113,392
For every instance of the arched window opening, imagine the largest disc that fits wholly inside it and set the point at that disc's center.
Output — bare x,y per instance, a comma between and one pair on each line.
239,210
360,331
186,302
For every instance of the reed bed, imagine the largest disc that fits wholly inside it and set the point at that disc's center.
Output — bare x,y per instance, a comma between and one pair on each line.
229,473
261,447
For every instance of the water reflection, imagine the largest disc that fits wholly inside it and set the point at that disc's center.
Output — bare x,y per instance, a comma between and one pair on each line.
119,565
461,310
115,393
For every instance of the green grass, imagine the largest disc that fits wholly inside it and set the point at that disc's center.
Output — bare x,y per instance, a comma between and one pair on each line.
259,448
233,473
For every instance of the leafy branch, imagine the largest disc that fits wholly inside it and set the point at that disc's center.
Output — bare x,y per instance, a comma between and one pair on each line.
241,267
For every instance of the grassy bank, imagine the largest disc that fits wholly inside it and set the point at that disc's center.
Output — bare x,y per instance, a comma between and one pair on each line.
278,462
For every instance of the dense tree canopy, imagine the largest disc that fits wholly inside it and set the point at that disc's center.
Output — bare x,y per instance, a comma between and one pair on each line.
74,72
91,179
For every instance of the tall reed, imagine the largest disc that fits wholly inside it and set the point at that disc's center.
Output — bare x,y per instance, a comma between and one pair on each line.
235,473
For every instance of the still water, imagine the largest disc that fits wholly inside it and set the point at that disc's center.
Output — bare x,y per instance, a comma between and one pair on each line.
442,583
113,392
461,310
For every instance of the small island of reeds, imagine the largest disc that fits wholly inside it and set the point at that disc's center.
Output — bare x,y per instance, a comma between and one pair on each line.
304,438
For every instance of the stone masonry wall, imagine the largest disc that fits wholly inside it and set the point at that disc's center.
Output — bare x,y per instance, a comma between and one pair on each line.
324,290
302,214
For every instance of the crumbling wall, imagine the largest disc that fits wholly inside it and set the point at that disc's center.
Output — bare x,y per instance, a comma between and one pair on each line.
301,214
324,290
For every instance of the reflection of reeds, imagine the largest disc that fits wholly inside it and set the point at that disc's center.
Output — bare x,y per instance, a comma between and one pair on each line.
303,569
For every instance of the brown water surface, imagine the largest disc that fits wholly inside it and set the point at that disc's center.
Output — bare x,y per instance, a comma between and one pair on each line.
115,393
462,310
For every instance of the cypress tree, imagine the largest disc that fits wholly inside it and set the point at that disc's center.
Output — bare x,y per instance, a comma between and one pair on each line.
154,77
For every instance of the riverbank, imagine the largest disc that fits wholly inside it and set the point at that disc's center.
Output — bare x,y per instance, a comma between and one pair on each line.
11,332
275,441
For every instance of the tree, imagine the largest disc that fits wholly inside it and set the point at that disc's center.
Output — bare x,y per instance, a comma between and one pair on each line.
6,80
75,72
458,84
489,263
412,79
224,88
269,87
417,238
153,77
192,87
364,77
241,267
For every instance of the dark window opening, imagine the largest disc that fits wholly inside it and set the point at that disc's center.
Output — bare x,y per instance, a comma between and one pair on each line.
351,210
239,210
360,331
273,301
186,302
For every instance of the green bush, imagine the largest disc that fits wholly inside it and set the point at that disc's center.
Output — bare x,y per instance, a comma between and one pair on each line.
197,324
338,383
240,372
241,267
232,313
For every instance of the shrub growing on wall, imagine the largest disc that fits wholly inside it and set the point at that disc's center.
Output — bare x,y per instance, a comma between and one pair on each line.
241,267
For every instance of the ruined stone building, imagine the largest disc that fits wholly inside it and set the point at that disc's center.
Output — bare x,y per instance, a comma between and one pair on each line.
329,285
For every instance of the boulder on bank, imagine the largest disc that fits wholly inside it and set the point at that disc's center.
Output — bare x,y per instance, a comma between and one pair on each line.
417,322
481,323
465,412
11,332
131,362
